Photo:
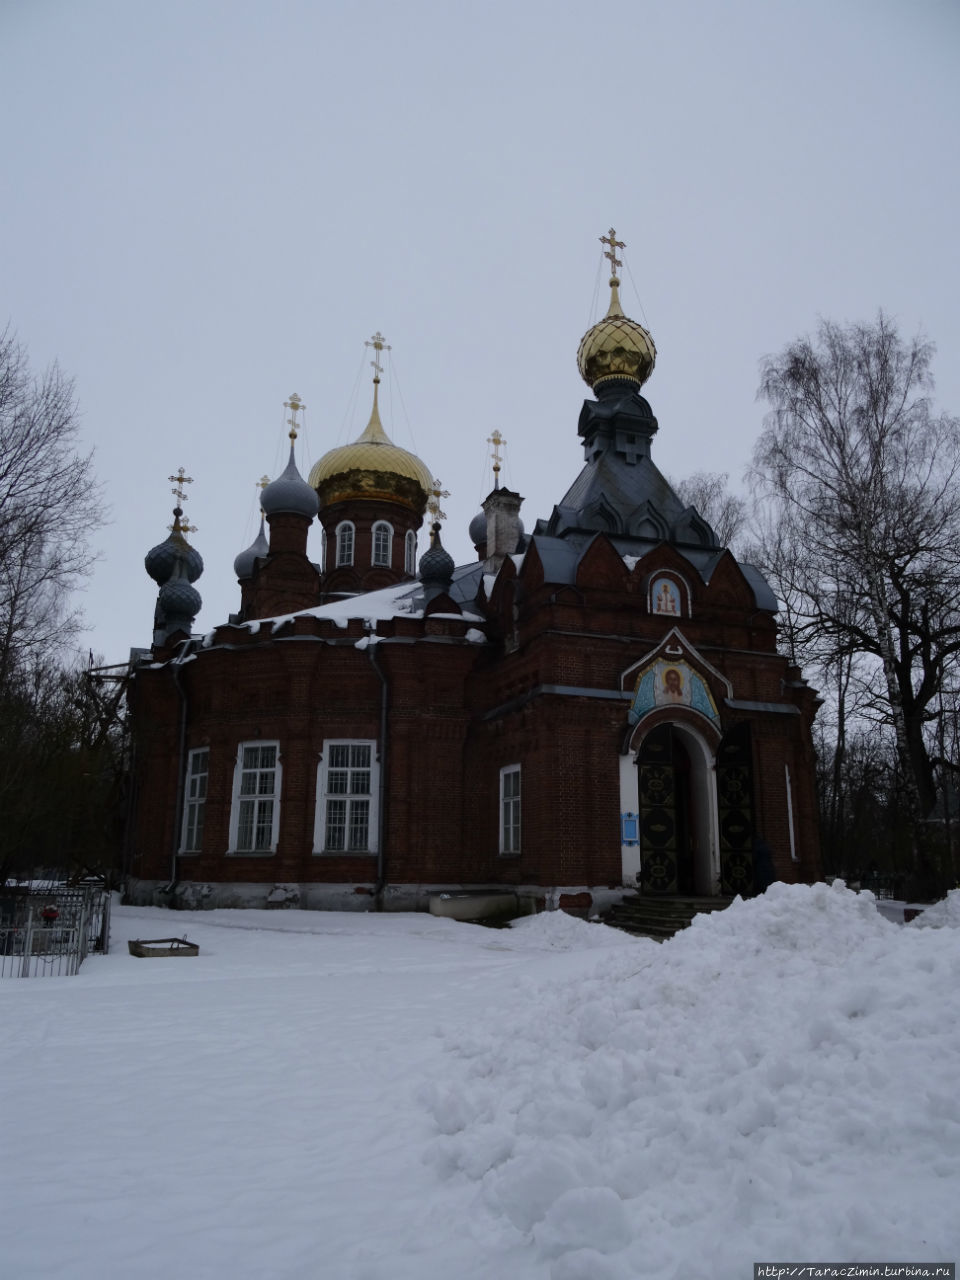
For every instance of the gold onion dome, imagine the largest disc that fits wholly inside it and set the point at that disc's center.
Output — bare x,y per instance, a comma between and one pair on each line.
372,467
616,347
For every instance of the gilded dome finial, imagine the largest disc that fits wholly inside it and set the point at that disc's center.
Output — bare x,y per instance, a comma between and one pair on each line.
294,404
616,348
610,238
374,429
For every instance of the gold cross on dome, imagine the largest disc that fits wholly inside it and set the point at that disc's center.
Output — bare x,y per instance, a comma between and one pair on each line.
497,441
379,343
180,479
184,528
294,404
611,239
433,501
263,482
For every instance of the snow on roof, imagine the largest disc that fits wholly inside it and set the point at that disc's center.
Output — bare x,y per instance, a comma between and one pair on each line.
372,607
401,601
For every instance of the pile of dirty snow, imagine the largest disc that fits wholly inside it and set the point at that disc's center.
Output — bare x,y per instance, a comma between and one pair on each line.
777,1081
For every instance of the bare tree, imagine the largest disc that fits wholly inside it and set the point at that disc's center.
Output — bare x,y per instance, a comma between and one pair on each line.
866,511
708,491
49,504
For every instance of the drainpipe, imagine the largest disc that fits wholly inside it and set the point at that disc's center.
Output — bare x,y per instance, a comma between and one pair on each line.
128,753
382,789
175,665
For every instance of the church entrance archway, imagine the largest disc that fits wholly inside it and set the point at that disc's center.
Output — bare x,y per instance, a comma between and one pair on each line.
676,815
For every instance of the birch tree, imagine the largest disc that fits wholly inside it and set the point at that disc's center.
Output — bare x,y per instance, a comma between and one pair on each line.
862,475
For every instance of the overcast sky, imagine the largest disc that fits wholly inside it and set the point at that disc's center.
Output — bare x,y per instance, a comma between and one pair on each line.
209,205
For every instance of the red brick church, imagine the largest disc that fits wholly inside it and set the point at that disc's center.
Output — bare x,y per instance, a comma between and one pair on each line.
594,707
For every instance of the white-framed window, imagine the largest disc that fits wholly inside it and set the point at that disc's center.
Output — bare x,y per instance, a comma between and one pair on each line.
510,809
347,782
255,815
195,800
323,550
345,534
410,553
382,544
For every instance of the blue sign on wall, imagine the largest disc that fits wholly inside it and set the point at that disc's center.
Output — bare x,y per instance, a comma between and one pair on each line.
629,832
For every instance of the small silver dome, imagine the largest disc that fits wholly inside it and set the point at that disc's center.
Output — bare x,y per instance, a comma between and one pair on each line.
290,494
246,561
478,530
436,564
161,560
179,599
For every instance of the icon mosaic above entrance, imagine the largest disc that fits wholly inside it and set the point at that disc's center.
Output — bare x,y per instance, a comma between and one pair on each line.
668,683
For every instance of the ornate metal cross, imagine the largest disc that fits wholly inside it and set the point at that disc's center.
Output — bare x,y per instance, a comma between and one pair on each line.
611,239
379,343
433,501
496,440
180,479
294,404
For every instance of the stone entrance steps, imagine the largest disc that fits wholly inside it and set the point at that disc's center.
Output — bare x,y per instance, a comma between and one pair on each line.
659,917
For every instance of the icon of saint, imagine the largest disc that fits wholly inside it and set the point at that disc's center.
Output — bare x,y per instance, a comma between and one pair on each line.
665,600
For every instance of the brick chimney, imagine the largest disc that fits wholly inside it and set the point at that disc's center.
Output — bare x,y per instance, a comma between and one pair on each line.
502,509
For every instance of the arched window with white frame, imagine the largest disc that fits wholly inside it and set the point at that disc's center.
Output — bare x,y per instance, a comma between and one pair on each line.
323,550
381,544
410,554
345,537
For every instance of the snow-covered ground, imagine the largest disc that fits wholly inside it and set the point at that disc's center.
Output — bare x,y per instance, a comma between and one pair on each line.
398,1097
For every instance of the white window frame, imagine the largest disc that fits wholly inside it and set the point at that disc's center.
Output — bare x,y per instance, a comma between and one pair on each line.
194,799
381,526
346,543
410,553
330,789
323,550
511,811
793,839
243,796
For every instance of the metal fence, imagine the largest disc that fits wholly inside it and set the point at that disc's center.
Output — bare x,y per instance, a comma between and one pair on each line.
40,952
47,930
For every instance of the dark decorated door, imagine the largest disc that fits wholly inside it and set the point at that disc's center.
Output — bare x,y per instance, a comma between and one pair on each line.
735,806
664,789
